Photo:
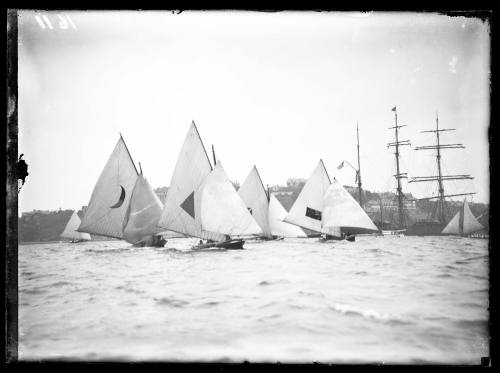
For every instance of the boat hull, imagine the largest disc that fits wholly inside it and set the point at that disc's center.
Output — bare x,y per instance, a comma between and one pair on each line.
350,238
154,241
227,245
397,232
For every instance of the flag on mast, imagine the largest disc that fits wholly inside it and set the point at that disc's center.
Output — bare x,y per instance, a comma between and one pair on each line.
394,108
340,165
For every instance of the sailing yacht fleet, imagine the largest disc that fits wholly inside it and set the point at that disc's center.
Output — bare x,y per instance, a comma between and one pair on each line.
202,203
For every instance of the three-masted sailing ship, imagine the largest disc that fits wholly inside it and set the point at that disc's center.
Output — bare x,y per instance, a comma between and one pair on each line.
202,202
327,208
70,230
266,209
399,221
123,204
437,222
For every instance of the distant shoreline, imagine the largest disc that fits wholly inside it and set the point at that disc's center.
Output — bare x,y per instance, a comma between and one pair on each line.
41,242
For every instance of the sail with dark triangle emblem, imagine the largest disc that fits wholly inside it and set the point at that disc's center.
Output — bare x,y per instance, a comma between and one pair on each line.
181,211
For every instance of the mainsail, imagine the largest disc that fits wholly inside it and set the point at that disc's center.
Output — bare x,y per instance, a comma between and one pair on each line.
222,209
202,202
110,198
307,210
253,193
342,210
71,227
143,213
278,227
463,223
181,212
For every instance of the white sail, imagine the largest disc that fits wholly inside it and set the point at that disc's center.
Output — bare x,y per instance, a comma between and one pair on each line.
453,227
181,212
471,224
143,214
463,222
111,195
71,227
222,209
278,227
253,193
307,210
342,210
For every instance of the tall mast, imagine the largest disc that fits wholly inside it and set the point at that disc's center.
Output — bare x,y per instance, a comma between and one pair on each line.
399,175
213,153
440,177
359,170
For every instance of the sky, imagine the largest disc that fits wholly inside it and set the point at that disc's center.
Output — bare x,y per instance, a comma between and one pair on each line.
276,90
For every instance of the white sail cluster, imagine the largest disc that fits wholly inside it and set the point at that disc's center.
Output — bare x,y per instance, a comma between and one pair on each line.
267,211
326,207
123,205
70,231
463,223
201,201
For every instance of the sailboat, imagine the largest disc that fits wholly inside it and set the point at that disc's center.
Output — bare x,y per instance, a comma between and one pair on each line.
277,214
327,208
463,223
202,201
266,209
70,231
123,204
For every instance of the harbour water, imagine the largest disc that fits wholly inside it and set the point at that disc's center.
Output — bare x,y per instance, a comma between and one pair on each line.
377,300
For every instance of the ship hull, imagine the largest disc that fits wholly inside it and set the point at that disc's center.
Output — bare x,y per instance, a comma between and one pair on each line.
425,228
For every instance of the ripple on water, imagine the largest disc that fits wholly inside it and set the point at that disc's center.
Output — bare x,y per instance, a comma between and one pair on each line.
298,297
171,302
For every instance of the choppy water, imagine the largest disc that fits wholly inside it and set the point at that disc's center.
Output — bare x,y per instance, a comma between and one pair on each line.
379,299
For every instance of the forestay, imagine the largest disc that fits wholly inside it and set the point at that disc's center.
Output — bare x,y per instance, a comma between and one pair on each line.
70,231
278,227
253,193
222,209
342,210
110,198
